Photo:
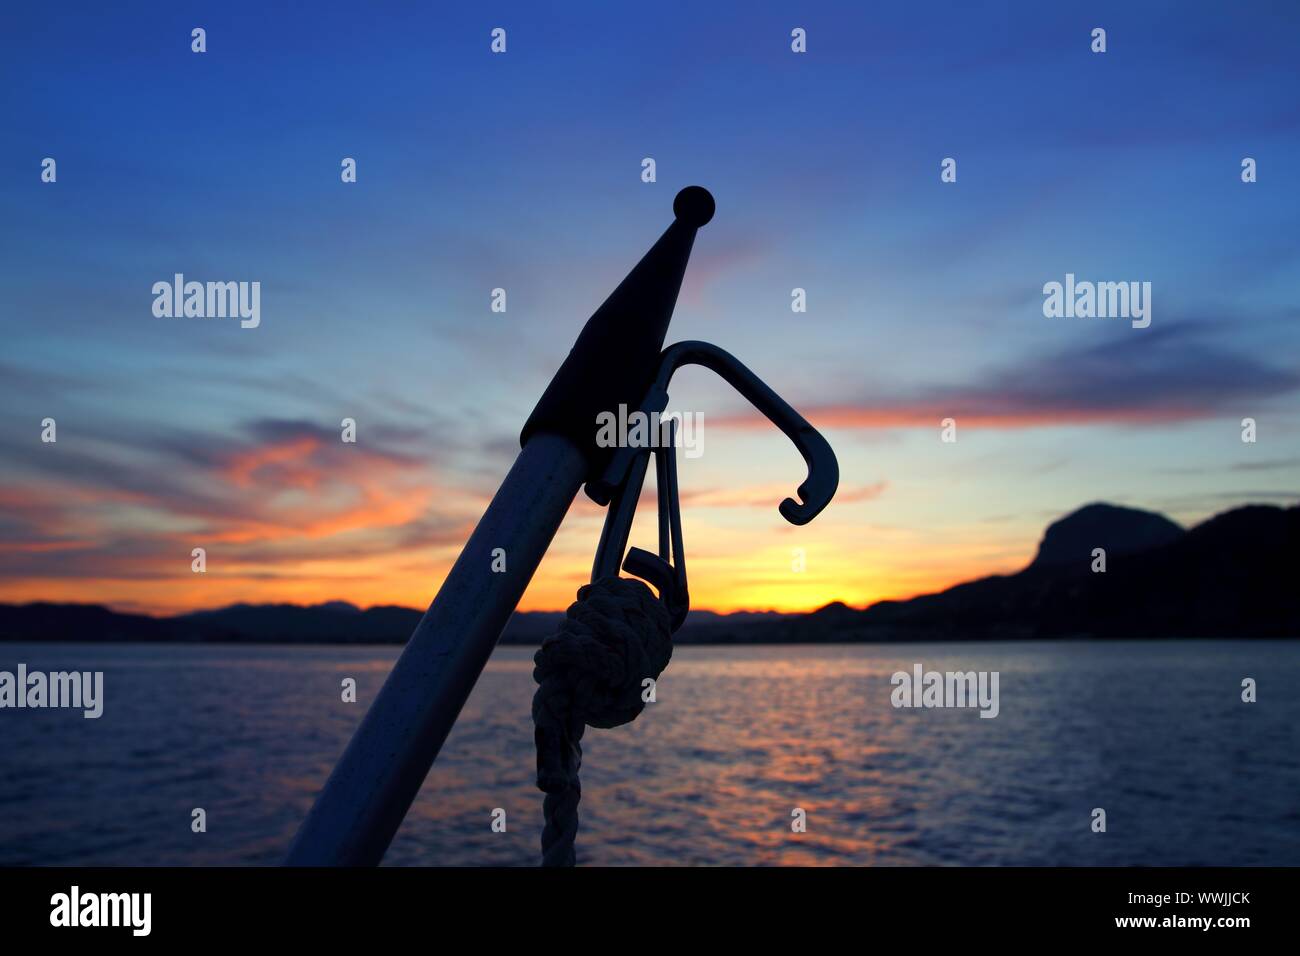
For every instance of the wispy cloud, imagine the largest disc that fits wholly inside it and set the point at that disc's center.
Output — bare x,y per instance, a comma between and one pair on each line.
1151,377
280,496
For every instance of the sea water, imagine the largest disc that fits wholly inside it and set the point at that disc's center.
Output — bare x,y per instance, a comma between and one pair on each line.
1154,733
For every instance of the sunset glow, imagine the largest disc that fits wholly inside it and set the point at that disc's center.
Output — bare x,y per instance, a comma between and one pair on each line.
924,298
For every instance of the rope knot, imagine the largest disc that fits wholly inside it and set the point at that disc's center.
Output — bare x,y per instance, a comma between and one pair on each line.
590,672
612,638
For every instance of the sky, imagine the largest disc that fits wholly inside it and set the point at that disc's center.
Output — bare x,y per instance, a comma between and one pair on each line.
523,171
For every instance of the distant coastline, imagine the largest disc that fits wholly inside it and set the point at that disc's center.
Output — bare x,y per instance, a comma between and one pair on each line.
1232,576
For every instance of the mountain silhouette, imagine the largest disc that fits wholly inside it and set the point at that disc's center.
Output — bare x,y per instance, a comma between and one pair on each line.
1230,576
1117,530
334,622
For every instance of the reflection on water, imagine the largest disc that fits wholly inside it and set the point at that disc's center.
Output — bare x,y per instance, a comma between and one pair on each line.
1155,733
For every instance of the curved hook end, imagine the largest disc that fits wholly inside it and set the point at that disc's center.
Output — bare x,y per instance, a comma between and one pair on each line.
822,482
814,500
794,512
823,470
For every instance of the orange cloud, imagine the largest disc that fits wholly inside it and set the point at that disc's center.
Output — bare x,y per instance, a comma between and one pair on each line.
287,515
284,464
292,514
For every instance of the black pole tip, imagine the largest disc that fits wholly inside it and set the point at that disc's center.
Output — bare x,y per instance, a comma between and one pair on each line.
694,206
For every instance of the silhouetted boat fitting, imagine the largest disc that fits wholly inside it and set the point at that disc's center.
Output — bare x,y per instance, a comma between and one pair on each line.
616,360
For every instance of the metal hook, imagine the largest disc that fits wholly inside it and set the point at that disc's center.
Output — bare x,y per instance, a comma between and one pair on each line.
620,485
817,489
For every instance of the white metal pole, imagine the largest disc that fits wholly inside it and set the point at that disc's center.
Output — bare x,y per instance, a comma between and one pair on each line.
372,787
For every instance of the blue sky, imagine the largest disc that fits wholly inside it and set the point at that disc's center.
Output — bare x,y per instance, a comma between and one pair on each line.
522,171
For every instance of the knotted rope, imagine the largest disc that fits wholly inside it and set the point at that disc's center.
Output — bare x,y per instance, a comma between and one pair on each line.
589,673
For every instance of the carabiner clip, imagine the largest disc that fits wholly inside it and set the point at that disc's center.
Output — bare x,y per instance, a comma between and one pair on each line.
667,569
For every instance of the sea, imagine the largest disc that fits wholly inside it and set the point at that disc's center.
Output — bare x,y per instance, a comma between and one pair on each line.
749,755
